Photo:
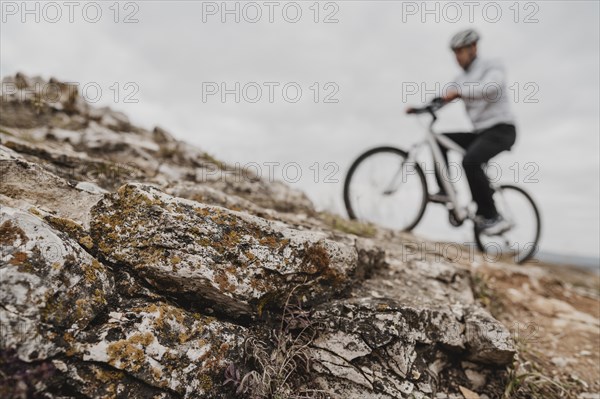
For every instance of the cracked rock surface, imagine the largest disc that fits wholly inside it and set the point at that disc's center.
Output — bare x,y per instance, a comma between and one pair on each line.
136,265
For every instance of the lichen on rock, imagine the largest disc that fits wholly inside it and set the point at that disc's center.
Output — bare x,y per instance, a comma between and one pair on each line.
228,259
136,265
49,284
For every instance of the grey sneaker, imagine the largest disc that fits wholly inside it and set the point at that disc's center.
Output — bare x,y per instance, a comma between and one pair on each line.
493,226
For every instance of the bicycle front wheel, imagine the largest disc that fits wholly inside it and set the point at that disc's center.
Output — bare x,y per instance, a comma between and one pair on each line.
381,187
521,241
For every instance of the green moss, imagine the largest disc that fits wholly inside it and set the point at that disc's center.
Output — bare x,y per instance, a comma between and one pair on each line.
221,165
68,226
264,301
486,295
381,307
81,308
99,297
165,312
70,341
204,241
6,132
108,376
86,241
231,239
144,339
55,310
206,382
91,271
348,226
126,355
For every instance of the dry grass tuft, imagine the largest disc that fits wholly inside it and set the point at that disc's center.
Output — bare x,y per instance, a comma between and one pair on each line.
279,360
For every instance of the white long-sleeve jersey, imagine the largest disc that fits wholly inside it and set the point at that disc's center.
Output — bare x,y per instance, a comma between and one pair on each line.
484,91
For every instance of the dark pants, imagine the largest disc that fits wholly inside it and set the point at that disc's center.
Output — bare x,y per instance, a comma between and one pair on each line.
481,147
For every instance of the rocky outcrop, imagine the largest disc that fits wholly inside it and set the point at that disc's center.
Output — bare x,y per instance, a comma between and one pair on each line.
401,330
32,185
60,303
50,285
230,260
135,265
164,346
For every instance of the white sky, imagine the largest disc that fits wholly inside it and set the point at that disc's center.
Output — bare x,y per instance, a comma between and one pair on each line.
374,50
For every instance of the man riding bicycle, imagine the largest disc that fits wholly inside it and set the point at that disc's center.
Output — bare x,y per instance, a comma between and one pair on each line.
482,88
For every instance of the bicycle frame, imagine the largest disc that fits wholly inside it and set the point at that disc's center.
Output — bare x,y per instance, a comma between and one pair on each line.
404,164
434,140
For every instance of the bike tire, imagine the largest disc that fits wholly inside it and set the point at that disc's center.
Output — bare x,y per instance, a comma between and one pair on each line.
527,254
367,154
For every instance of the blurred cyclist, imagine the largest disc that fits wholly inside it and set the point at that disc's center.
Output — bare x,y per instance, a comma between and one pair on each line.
482,88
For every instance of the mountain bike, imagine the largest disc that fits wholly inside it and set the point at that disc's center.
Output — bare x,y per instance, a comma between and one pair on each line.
387,186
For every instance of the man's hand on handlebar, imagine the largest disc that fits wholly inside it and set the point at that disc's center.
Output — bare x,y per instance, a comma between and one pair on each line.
450,96
434,104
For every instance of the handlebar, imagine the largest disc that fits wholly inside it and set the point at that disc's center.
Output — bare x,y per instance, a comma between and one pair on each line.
430,108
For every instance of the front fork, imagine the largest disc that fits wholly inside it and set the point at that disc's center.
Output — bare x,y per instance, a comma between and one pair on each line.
399,175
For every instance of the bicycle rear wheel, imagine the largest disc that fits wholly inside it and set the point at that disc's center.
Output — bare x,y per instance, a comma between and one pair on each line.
519,243
384,189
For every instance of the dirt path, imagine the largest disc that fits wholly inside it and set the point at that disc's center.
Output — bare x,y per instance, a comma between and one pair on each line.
554,314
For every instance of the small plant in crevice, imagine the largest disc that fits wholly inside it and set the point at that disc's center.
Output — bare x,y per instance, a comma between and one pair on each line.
528,377
485,294
278,360
336,222
233,376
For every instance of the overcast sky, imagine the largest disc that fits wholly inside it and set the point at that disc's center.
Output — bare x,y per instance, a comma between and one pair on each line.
167,56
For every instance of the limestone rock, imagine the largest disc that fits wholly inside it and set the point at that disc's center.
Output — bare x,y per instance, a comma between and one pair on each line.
50,286
164,346
26,181
136,265
229,259
487,339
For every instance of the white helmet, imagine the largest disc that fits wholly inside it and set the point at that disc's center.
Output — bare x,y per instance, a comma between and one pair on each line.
464,38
